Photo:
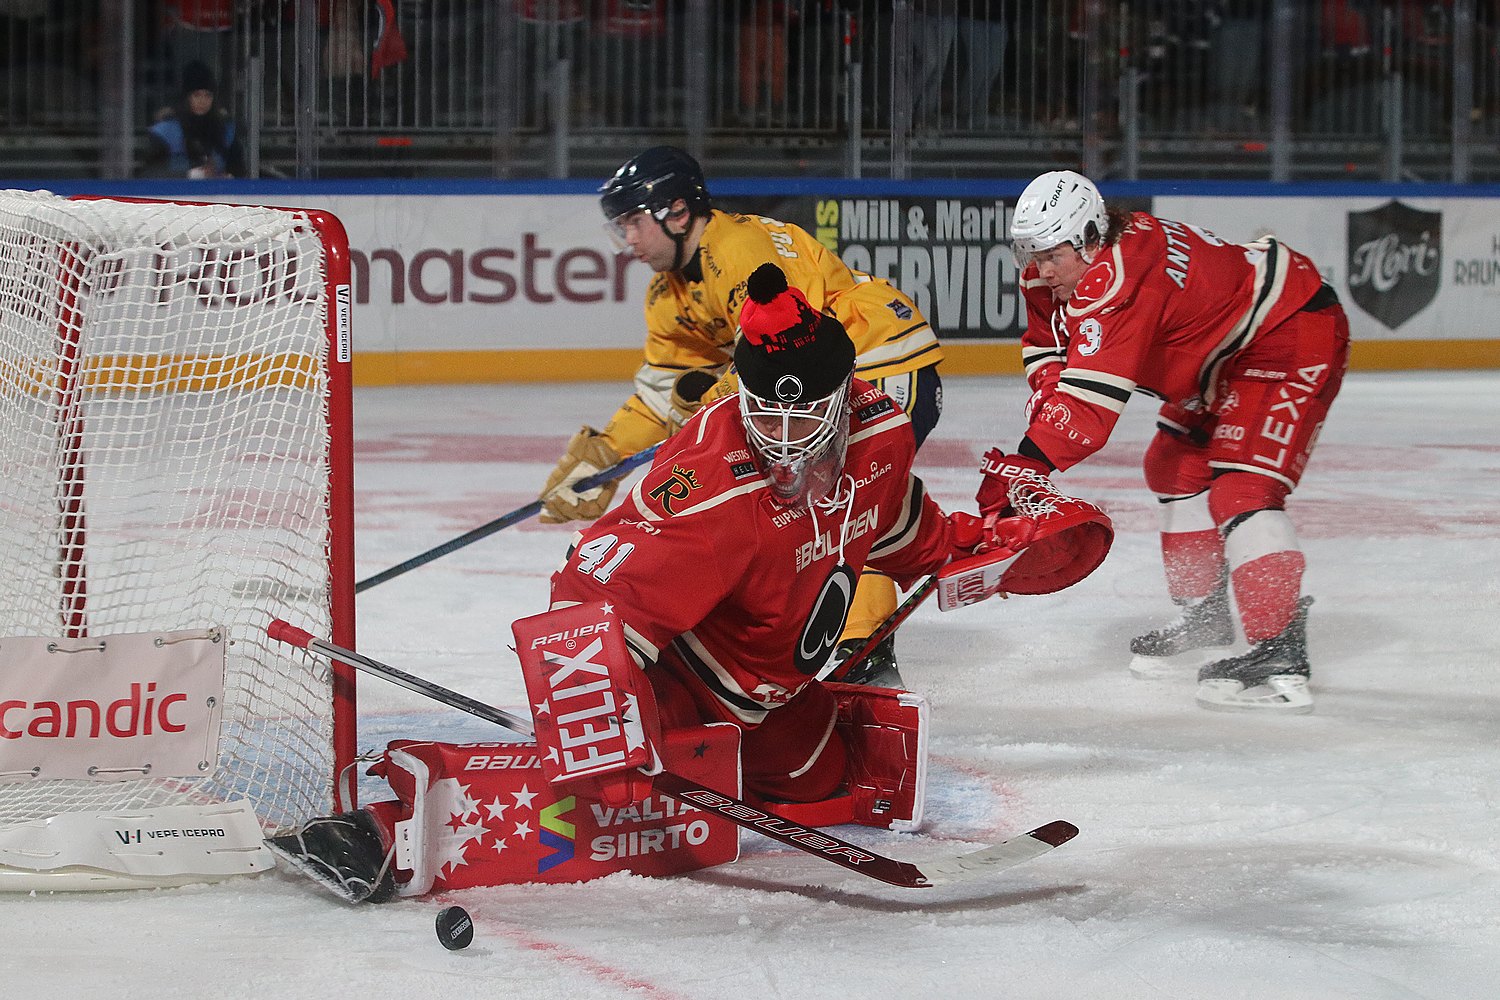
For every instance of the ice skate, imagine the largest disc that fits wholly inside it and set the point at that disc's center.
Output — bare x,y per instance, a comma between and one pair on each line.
1271,677
343,853
1202,632
877,670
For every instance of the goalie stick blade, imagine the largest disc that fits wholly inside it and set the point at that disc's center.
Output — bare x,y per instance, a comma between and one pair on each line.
902,874
998,857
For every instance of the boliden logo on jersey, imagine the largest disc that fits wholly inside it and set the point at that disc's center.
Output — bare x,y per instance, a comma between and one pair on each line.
827,543
677,488
1395,261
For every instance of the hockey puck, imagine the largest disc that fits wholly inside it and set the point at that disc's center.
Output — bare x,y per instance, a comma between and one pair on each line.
455,929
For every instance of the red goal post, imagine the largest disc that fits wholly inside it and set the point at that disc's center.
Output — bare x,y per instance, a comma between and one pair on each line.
175,459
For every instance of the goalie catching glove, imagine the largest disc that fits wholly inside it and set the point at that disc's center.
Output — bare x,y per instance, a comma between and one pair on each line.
588,453
1048,542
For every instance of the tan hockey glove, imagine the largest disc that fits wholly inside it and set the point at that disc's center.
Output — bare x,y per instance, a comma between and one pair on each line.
687,396
588,452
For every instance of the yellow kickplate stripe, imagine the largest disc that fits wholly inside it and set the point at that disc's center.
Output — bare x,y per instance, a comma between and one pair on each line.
960,358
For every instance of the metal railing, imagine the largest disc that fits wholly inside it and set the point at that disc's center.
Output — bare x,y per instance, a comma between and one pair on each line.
1278,89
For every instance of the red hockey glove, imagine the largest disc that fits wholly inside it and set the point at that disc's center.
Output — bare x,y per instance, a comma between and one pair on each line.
1000,470
1043,385
976,536
984,549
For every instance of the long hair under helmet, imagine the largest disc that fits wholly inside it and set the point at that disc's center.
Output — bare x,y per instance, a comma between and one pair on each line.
1058,207
795,366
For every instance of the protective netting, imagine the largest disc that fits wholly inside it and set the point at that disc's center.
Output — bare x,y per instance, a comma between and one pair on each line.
164,464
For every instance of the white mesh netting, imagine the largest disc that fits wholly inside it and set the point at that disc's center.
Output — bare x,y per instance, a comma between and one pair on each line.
164,464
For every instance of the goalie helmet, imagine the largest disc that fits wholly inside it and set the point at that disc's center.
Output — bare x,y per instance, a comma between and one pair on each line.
1058,207
651,181
795,366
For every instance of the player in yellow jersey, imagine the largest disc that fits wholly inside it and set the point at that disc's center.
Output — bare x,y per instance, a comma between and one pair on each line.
659,209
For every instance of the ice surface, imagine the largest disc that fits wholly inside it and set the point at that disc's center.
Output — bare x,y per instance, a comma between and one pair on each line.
1351,853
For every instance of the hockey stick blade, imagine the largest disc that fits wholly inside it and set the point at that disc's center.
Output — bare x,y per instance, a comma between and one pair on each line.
997,857
902,874
811,840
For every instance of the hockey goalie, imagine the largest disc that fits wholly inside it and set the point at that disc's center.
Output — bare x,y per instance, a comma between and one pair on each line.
691,630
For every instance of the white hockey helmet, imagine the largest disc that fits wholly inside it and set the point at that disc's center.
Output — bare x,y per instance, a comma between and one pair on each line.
1058,207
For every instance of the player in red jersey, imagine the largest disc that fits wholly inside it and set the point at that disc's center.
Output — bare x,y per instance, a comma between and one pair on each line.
732,563
1247,346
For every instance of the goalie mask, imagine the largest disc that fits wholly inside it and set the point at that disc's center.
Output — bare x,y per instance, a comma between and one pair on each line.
795,365
1058,207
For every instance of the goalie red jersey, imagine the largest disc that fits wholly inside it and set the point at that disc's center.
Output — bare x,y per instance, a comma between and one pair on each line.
1161,311
740,598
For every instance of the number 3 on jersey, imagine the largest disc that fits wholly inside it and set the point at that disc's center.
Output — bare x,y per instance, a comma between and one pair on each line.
593,553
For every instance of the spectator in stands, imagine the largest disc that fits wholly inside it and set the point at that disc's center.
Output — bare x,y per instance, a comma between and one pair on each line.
200,31
551,31
630,81
934,29
1236,67
763,57
195,138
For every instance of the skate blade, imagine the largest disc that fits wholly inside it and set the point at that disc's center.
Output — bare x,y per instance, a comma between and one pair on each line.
1149,668
1282,695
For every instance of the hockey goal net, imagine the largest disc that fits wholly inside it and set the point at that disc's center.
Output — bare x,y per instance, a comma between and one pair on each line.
174,455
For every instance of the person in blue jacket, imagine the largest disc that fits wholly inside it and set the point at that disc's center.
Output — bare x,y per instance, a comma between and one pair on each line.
195,138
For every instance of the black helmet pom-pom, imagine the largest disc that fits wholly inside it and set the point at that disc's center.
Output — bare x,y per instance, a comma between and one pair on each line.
765,283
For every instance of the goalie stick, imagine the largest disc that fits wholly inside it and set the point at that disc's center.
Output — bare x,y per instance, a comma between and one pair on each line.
811,840
532,509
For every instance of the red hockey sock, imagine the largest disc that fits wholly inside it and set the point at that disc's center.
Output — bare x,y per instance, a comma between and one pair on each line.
1266,591
1194,561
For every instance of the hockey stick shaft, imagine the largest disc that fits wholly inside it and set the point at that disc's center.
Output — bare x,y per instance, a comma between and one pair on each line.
527,512
882,631
810,840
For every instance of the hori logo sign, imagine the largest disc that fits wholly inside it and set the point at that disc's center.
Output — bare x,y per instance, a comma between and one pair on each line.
1395,261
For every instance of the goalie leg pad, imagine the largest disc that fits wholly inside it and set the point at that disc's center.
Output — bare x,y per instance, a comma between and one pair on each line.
885,732
484,814
884,736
